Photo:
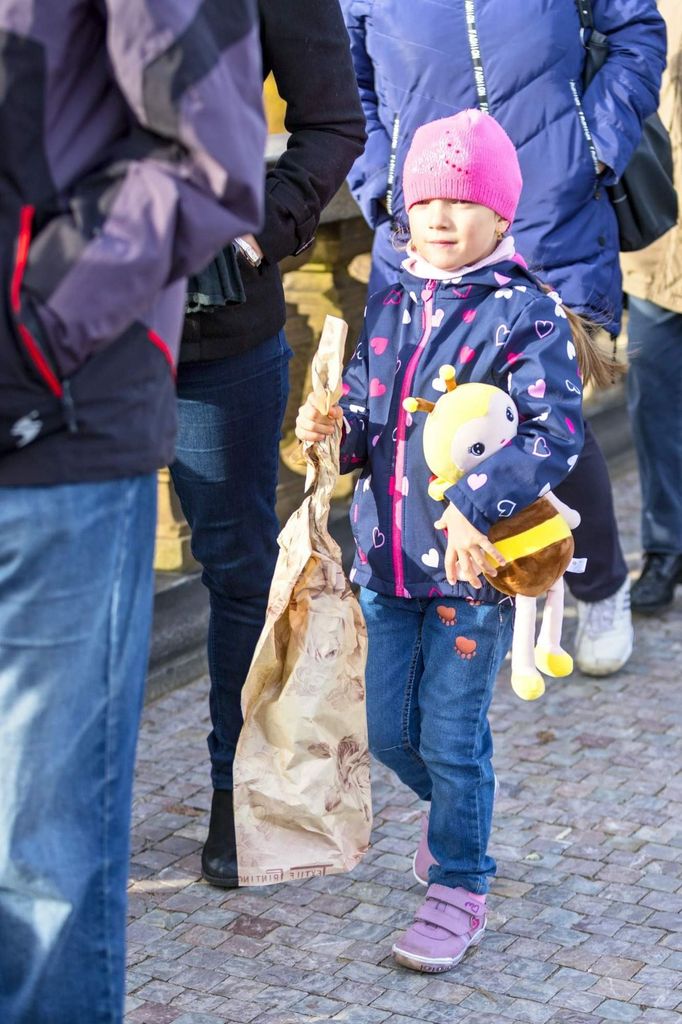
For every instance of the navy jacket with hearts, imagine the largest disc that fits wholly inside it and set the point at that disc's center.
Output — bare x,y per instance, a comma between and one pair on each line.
497,327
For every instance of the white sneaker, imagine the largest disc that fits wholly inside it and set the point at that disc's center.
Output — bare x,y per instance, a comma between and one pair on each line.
605,635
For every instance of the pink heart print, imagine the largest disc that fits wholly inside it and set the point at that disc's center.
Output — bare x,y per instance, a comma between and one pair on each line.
543,328
468,316
513,356
466,354
378,539
538,389
376,388
462,293
379,345
393,298
569,424
345,388
501,278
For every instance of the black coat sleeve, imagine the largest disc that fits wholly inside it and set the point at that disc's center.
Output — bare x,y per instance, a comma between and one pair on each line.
305,44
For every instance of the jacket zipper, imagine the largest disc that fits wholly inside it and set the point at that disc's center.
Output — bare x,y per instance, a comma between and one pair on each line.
476,60
390,180
397,480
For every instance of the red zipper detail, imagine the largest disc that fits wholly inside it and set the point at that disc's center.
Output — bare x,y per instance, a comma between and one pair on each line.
23,243
401,433
30,344
163,347
39,361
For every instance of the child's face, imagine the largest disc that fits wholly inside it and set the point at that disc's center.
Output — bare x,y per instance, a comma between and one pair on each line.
450,234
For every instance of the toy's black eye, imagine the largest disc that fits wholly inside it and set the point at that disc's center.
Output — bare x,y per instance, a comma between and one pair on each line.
476,449
510,414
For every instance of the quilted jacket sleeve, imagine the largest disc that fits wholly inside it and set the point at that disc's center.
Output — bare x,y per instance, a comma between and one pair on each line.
368,177
538,367
625,90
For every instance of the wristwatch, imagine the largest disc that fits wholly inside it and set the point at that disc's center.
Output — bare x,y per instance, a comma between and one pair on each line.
248,252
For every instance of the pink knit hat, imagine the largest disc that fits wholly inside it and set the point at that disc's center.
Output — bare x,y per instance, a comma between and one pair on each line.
468,156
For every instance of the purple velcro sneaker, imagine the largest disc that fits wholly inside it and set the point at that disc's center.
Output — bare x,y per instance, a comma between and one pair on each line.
446,924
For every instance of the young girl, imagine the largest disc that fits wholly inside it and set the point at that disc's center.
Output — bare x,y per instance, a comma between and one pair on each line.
437,633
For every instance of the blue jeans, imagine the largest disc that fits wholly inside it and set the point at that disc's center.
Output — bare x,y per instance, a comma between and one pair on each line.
76,590
655,404
431,671
230,414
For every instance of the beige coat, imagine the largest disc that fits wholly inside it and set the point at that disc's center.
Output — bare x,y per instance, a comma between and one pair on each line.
655,273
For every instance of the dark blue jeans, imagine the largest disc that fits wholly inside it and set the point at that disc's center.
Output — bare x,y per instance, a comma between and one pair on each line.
230,415
76,588
431,669
655,404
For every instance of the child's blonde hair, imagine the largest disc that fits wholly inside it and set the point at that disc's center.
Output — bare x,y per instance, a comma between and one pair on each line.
596,367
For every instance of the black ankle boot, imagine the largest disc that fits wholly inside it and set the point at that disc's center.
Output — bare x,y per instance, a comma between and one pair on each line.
219,855
655,588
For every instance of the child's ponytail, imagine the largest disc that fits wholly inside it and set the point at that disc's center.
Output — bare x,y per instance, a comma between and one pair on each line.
596,367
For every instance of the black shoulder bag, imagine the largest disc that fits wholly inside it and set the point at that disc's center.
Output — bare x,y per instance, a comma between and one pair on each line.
644,199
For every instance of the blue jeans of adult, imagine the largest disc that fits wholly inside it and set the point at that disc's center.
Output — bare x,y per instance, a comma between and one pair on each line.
76,591
431,669
230,414
655,405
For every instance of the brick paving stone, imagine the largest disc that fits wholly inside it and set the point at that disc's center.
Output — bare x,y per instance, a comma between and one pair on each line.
361,1015
356,992
612,1009
154,1013
198,1018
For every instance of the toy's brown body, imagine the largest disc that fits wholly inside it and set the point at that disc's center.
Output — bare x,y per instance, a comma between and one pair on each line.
532,574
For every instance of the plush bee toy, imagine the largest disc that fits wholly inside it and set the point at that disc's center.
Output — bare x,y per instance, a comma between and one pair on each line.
467,424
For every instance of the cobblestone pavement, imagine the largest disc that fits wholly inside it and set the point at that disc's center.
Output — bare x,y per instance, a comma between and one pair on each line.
585,921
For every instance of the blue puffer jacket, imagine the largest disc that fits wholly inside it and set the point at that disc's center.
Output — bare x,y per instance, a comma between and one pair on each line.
494,325
426,59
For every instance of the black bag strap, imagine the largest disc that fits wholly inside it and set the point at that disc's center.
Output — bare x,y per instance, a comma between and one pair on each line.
585,13
595,42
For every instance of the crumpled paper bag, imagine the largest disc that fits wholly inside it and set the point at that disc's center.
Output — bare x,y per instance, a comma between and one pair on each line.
301,773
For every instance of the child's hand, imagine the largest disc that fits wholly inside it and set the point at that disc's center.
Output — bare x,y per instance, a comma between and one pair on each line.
467,547
312,422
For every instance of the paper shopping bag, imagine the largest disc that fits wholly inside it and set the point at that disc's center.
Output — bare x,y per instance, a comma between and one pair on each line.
301,772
